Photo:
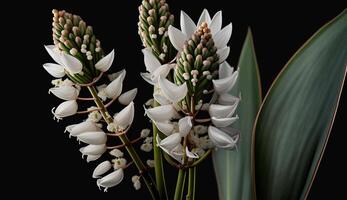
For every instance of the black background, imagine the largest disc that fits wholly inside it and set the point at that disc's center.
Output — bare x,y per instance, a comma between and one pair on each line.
47,164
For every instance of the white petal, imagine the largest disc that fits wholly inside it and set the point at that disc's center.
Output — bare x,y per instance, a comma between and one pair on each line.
173,92
162,100
72,64
113,76
95,137
224,122
114,89
105,63
165,127
65,92
222,111
227,99
82,127
162,71
161,113
176,152
101,169
127,97
223,54
223,36
54,52
147,78
225,70
93,157
177,38
111,179
67,108
216,23
151,62
188,27
226,84
221,139
170,141
204,17
185,125
125,117
54,70
93,149
191,154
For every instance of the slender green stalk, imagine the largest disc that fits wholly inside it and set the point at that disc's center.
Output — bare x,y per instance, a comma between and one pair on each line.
135,157
158,163
191,183
180,184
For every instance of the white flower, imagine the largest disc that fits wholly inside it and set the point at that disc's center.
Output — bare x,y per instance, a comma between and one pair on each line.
150,163
101,169
93,157
94,116
148,140
136,182
82,127
65,92
65,109
111,179
116,153
224,122
119,163
93,149
95,137
146,147
101,92
222,111
172,92
185,125
227,99
55,70
170,142
114,89
154,67
125,117
127,97
105,63
161,113
165,127
113,76
227,79
222,139
145,132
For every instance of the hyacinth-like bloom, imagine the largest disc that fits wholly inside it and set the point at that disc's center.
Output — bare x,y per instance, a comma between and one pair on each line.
154,20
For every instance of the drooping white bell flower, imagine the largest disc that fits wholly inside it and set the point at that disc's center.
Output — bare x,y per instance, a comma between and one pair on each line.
224,122
111,179
54,52
172,92
94,137
92,158
102,168
125,117
65,92
127,97
161,99
161,113
175,150
113,76
54,70
222,111
65,109
226,80
222,139
114,89
93,149
165,127
188,27
185,125
228,99
82,127
105,63
170,141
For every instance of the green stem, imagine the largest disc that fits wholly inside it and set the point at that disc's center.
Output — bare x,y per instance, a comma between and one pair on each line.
180,184
191,184
158,163
135,157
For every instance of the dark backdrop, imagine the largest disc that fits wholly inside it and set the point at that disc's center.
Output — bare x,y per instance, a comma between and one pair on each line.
49,165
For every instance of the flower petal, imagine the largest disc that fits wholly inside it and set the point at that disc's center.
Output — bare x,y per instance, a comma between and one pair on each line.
188,27
221,139
170,141
105,63
127,97
224,122
225,70
223,54
101,169
191,154
165,127
54,52
161,113
125,117
82,127
114,89
216,23
111,179
151,62
93,149
93,157
65,92
176,152
222,111
162,71
113,76
204,17
177,38
222,37
54,70
162,100
185,125
173,92
95,137
65,109
72,64
226,84
147,77
227,99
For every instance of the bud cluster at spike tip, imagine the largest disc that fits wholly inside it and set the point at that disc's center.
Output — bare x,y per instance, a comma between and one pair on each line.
154,20
198,63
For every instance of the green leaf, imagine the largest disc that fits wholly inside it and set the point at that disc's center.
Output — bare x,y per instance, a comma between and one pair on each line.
295,119
233,168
